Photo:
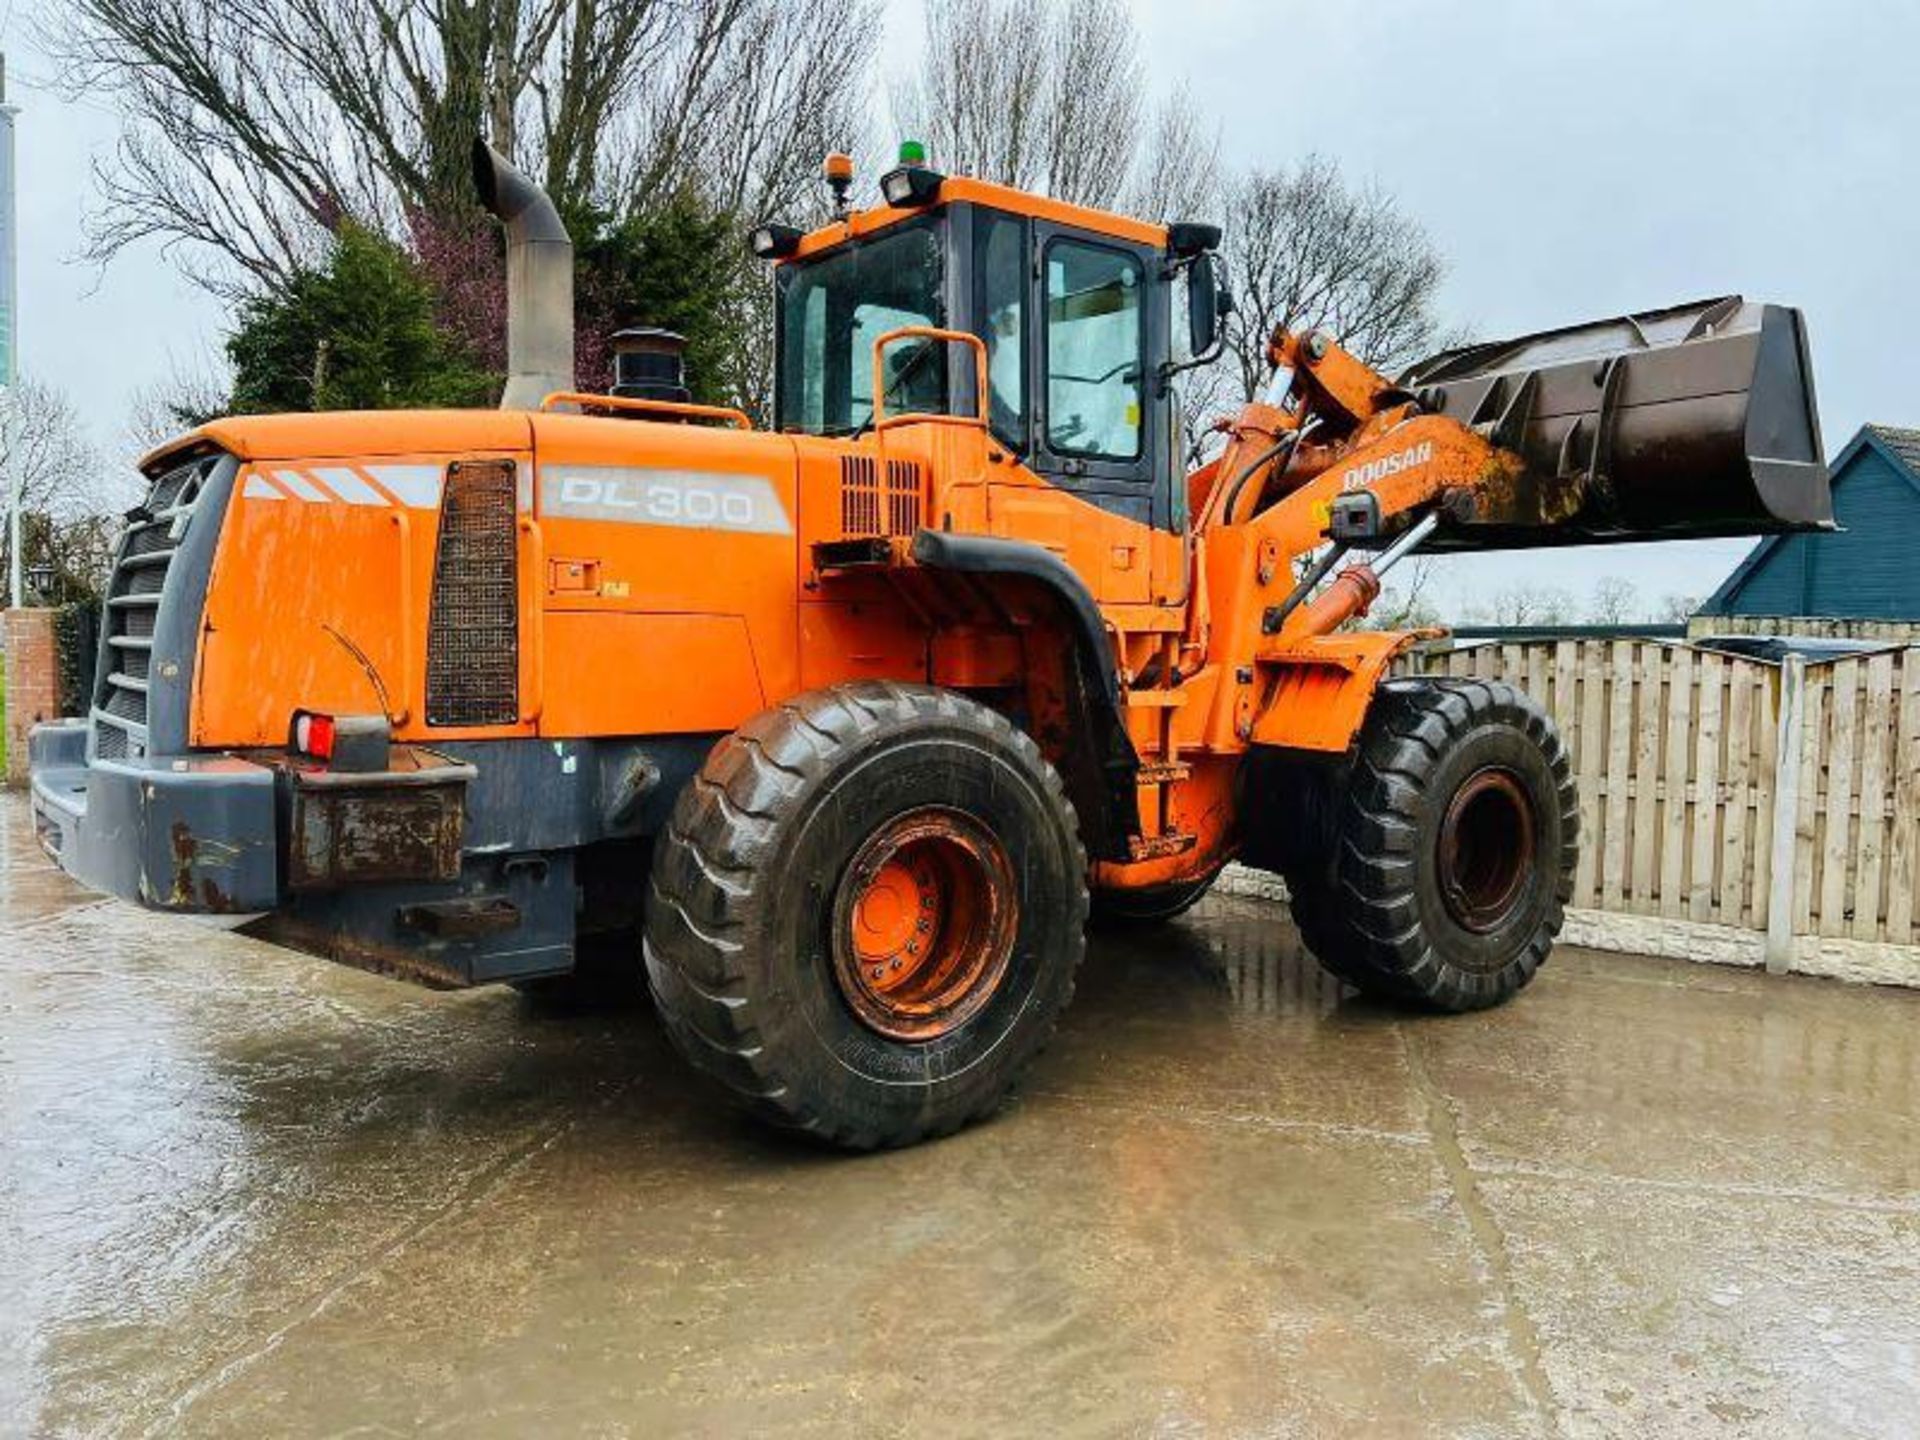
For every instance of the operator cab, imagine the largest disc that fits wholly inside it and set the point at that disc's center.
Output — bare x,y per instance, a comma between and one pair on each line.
1074,306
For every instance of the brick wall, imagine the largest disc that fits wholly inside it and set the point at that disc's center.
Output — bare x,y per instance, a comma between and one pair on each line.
33,683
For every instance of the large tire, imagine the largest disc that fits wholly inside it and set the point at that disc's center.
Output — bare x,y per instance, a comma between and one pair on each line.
1152,905
817,841
1453,849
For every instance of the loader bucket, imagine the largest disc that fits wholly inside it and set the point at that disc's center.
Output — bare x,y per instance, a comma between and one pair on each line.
1685,423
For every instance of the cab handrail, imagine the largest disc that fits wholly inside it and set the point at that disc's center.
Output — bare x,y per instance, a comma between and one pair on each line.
737,418
883,421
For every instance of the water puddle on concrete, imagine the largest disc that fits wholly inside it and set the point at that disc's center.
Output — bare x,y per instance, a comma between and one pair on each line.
246,1192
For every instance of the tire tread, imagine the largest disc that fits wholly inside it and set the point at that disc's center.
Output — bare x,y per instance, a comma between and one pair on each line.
692,956
1361,921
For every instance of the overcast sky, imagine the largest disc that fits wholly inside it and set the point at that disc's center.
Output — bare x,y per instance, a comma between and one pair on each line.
1573,159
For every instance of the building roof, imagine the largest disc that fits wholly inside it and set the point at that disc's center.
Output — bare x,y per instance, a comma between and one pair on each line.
1899,445
1905,445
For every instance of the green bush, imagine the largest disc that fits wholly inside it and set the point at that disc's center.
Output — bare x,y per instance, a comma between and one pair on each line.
356,333
76,639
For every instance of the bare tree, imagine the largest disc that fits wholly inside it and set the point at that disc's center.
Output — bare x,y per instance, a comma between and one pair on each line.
70,501
788,89
187,396
1049,95
1615,601
1177,173
1307,250
1519,605
256,124
1675,609
976,100
1405,602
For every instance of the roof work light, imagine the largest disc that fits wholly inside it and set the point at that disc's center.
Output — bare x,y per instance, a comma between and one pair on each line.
911,183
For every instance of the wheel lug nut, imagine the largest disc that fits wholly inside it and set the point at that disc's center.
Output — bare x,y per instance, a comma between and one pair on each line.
878,972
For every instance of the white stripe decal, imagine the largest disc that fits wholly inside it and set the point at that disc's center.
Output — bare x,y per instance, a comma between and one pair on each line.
259,488
302,488
384,496
347,485
417,486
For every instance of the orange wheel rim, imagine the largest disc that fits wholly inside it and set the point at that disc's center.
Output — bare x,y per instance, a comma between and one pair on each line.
923,924
1486,849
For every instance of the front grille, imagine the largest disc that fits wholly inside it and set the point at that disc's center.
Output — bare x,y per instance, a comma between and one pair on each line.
473,625
868,509
134,596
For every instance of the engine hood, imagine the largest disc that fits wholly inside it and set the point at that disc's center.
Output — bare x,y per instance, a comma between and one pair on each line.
339,434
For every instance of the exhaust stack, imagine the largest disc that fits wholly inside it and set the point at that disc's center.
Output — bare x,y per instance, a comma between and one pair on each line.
539,281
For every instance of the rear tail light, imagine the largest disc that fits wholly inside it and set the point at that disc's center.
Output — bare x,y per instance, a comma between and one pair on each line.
356,743
312,735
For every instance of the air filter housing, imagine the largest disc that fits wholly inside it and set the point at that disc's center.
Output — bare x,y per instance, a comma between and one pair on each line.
650,364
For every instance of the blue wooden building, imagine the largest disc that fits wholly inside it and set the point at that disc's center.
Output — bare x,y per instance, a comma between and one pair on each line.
1868,570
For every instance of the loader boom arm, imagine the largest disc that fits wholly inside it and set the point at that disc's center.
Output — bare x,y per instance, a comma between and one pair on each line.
1683,423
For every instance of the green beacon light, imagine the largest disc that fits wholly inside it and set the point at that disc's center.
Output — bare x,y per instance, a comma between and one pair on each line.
910,183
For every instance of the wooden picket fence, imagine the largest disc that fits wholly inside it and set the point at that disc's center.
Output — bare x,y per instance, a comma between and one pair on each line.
1688,760
1827,627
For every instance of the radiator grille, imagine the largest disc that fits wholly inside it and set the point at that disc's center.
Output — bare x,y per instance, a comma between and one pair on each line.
135,593
473,626
869,509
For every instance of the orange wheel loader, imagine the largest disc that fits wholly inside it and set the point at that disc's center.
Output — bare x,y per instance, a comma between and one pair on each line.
857,717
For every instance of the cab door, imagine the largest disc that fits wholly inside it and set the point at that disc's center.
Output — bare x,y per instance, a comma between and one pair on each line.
1098,417
1075,324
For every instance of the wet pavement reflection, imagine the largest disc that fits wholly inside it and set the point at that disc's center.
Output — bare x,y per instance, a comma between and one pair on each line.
242,1192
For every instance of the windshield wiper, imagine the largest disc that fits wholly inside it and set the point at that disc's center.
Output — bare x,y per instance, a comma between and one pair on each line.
886,393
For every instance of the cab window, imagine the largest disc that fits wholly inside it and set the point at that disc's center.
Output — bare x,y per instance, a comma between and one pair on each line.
1000,263
1094,351
831,312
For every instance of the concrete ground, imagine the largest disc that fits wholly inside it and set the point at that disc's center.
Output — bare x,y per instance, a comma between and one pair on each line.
246,1193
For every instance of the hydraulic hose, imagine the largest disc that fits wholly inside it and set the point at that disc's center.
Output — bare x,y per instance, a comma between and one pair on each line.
1284,445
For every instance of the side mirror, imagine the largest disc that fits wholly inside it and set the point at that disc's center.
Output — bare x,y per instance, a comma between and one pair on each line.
1208,304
